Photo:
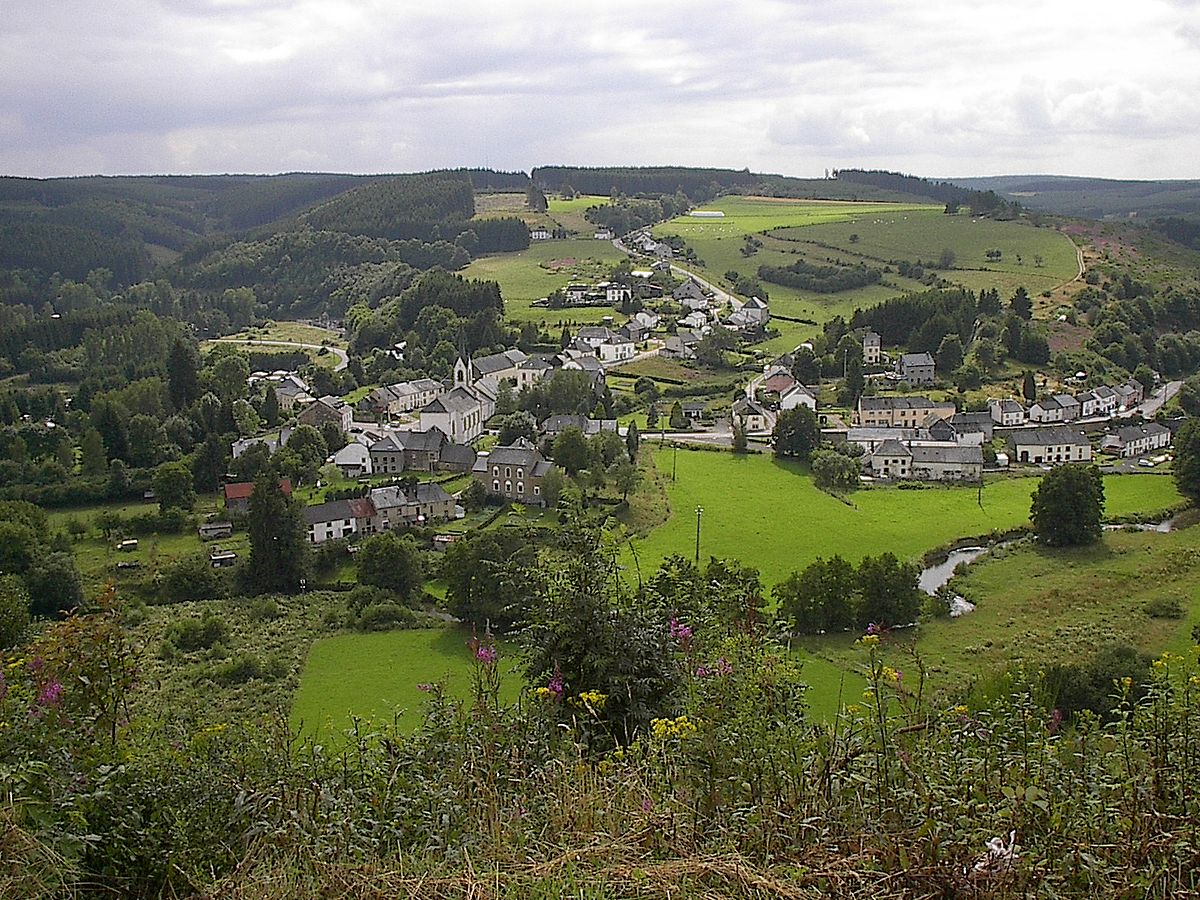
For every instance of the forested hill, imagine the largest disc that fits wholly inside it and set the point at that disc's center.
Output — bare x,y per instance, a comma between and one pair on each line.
1095,198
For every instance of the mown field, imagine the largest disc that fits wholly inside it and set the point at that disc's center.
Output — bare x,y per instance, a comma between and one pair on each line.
1037,605
770,515
377,676
569,213
546,266
295,332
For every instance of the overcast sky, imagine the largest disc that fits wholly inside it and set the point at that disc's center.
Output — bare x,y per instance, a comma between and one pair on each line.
938,88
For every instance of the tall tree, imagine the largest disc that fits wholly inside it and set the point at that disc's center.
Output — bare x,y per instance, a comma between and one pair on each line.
91,453
173,486
632,441
208,464
1021,304
392,562
270,408
278,549
183,375
1187,460
797,433
571,450
1068,506
889,594
1029,386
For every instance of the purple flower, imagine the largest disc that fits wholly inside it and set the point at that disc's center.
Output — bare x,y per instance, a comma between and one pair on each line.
874,629
486,654
723,667
1056,719
35,665
555,684
680,632
50,693
702,671
647,805
3,686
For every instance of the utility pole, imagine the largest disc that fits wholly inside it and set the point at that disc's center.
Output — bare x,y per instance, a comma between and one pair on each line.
699,513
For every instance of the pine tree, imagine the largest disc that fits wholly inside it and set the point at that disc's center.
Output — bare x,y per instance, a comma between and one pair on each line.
1029,387
631,441
278,551
183,375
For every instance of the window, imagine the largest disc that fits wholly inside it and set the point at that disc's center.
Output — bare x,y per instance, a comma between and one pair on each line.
508,487
496,471
508,471
537,489
496,486
520,472
520,487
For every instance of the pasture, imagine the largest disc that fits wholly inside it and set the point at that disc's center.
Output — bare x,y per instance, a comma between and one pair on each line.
770,515
570,213
293,332
1037,605
378,676
531,274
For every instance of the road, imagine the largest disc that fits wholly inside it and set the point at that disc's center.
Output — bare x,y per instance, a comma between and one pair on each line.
343,357
1160,398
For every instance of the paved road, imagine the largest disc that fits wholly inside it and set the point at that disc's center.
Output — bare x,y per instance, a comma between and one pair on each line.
1160,398
343,357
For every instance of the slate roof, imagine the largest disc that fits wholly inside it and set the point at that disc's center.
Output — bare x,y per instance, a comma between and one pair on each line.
497,362
930,453
397,495
1047,435
891,447
522,453
877,403
338,510
458,455
1131,433
916,359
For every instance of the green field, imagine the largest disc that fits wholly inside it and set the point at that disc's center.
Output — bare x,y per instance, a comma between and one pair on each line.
531,274
296,332
376,676
819,232
569,213
1036,605
769,514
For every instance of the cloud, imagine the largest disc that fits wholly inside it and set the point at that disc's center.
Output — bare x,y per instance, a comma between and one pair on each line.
269,85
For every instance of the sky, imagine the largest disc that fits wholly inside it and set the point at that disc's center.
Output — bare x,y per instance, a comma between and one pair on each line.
941,88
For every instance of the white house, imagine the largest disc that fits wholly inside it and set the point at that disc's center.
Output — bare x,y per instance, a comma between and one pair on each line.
458,414
1046,410
539,233
1136,440
797,395
752,416
338,519
353,460
1008,413
872,345
1049,444
617,349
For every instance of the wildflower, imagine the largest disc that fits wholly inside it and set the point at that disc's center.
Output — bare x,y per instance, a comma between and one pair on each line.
869,640
960,710
555,684
35,665
890,674
868,695
3,686
872,628
543,693
854,709
593,700
681,727
486,654
680,632
50,693
1127,682
647,805
723,667
1055,723
1194,680
702,671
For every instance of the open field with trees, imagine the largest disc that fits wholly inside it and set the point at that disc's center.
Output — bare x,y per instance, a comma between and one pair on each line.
1037,605
531,274
769,514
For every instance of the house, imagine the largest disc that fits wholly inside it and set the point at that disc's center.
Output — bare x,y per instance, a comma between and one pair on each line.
690,290
1069,406
220,558
291,391
942,462
681,345
1136,440
514,472
387,456
338,519
943,432
539,233
576,293
458,414
603,235
891,459
401,506
1006,413
531,372
798,395
971,423
327,409
618,349
353,460
647,319
408,451
694,410
237,494
211,531
633,331
916,368
585,363
693,320
403,396
872,437
1046,410
1098,403
595,335
237,448
1049,444
557,424
456,458
872,345
755,312
900,412
752,416
616,294
1130,394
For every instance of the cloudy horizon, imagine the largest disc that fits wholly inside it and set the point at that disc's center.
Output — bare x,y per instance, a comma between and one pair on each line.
942,89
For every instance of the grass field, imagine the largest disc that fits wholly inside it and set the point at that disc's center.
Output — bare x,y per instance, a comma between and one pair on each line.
376,676
569,213
770,515
547,265
1036,605
296,332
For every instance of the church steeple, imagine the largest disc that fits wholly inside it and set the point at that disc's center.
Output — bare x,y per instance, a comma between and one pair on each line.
464,369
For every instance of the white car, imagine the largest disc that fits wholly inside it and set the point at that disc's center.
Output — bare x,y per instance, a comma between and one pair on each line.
1146,463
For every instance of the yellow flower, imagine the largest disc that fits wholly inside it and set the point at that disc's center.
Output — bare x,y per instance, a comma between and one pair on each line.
869,640
890,674
1127,682
960,710
868,695
542,693
854,709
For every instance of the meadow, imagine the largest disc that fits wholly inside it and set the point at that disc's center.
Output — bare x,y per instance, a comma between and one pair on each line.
819,232
570,213
770,515
1037,605
531,274
379,676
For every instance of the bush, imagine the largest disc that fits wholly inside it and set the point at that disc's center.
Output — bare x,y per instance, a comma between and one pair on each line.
243,668
190,578
198,634
385,617
1164,608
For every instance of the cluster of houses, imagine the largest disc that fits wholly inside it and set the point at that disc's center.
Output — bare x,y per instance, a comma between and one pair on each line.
1102,402
383,509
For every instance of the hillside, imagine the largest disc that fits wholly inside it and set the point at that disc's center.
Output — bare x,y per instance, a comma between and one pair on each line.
1094,198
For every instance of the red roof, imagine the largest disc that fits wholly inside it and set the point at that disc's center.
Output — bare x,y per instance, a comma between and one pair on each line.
241,490
779,383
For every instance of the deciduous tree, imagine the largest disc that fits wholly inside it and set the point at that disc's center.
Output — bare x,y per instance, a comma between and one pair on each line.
1068,506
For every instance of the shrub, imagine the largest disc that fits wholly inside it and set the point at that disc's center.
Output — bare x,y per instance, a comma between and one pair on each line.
198,634
243,668
1164,608
385,617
